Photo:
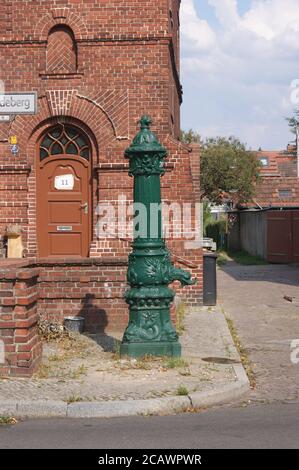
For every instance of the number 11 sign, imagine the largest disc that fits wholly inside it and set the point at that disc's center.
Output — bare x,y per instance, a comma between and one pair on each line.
64,182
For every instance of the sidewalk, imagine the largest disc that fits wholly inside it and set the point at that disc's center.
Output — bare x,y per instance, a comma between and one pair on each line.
82,378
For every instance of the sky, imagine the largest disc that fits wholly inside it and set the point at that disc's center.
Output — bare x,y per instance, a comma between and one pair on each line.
239,66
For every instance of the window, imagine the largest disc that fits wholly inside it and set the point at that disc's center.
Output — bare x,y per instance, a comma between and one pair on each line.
264,161
285,193
64,140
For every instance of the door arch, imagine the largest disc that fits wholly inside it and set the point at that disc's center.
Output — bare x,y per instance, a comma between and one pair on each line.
64,192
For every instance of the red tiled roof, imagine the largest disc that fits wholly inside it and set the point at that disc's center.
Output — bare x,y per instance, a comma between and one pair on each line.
279,184
276,192
281,163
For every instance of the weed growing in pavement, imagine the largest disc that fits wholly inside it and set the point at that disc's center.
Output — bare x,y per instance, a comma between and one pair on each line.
182,390
6,420
243,354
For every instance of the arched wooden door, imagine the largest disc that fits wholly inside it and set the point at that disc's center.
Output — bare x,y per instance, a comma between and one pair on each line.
64,194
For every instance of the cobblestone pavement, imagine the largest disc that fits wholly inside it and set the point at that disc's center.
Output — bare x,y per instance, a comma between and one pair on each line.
85,370
253,297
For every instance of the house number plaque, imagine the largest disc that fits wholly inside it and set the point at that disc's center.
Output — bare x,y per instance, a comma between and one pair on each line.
64,182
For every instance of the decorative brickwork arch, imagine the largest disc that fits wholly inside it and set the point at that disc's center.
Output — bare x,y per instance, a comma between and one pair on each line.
60,16
65,105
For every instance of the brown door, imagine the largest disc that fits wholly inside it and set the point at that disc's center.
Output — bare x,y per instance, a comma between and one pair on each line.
63,198
280,236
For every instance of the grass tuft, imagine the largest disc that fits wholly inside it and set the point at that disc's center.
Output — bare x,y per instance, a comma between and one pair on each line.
182,391
7,420
243,354
74,399
240,257
175,363
180,317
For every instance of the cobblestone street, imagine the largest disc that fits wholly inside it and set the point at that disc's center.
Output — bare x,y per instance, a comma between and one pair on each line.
267,323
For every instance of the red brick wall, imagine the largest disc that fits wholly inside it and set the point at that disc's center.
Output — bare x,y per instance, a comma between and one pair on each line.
18,321
61,51
117,60
93,289
13,197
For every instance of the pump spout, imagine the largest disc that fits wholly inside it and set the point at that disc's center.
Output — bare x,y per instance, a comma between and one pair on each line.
177,274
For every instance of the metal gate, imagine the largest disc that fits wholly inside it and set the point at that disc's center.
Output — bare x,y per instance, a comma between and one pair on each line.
283,237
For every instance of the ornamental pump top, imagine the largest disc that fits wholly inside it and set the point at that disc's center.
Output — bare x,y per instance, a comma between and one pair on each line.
150,271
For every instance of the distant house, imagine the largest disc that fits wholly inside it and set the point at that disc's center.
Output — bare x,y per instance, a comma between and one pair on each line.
279,183
268,225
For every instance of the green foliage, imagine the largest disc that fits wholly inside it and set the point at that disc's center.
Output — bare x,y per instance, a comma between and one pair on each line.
182,391
190,136
228,171
7,420
246,259
294,122
207,217
240,257
180,317
294,126
222,259
248,366
217,230
74,399
175,363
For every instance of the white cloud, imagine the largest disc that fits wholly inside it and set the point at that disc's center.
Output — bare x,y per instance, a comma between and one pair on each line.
197,33
241,68
272,18
226,12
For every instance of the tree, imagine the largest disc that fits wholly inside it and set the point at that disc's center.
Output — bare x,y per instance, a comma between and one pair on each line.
294,126
207,216
190,136
294,122
228,171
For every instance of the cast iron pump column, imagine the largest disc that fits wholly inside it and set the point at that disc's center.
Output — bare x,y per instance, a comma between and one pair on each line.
150,330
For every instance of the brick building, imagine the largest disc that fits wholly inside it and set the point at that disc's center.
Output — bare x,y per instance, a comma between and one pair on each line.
279,183
97,66
268,226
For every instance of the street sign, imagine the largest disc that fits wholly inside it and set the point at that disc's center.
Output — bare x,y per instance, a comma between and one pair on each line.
4,118
14,149
13,140
18,103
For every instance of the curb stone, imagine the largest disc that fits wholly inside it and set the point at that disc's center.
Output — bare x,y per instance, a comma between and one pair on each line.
157,406
129,408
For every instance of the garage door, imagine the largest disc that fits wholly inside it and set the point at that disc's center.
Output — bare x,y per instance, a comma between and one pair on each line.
283,237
